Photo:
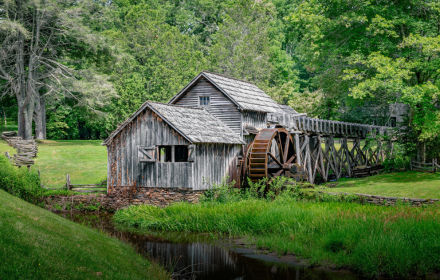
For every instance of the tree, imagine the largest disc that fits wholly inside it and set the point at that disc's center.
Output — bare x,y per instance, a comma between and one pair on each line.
387,52
39,41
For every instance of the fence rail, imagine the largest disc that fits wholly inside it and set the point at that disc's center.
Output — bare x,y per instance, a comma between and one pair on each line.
86,188
26,149
425,166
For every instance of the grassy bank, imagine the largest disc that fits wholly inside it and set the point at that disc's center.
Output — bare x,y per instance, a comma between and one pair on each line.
84,160
37,244
397,242
402,184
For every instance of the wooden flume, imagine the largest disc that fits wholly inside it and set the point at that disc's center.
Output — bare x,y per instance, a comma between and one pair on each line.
298,145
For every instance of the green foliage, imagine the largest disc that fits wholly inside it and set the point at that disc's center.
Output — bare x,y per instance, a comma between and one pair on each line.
226,192
19,182
374,241
160,46
380,52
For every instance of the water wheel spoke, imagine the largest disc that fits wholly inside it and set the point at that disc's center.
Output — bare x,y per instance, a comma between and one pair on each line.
286,149
291,159
280,146
275,175
275,159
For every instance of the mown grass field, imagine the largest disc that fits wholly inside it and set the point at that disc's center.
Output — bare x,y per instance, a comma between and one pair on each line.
37,244
402,184
84,160
389,241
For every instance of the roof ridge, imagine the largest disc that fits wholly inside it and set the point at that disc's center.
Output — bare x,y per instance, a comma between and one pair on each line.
232,78
173,105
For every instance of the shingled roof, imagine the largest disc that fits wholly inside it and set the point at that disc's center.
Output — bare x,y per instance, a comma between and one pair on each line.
244,94
195,124
286,109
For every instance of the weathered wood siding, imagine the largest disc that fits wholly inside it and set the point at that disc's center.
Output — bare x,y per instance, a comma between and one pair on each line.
213,162
255,119
124,169
220,105
248,138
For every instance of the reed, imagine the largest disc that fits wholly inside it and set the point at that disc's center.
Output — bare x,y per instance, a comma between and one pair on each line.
392,241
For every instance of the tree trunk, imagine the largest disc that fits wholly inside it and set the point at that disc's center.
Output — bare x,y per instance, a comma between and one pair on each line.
40,118
421,151
25,114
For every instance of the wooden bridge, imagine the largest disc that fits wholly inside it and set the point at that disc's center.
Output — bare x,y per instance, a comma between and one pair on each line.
314,145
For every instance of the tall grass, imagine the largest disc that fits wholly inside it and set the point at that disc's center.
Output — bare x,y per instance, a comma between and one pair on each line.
19,182
392,241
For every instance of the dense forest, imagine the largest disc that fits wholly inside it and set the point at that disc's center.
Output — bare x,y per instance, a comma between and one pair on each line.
76,69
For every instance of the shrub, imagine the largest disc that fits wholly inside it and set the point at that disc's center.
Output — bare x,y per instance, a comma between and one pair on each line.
19,182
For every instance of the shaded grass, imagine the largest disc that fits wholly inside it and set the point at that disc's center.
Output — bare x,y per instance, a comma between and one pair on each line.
8,127
402,184
393,241
84,160
37,244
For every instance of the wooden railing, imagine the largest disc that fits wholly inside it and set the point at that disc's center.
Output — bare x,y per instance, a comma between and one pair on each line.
86,188
300,122
432,166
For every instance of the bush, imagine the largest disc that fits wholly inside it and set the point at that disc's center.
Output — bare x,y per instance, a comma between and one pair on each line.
226,192
19,182
399,161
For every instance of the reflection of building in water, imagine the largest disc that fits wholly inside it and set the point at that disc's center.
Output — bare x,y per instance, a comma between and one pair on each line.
196,257
204,260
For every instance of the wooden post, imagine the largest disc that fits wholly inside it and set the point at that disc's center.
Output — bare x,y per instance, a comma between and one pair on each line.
173,153
433,165
68,185
297,149
410,164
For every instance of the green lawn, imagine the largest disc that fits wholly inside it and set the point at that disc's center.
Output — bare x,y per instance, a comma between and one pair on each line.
37,244
403,184
84,160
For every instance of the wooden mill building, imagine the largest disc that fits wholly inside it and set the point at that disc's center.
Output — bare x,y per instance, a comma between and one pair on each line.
195,140
218,127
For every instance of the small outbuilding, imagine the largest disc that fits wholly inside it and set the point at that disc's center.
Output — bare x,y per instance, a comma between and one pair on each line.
171,146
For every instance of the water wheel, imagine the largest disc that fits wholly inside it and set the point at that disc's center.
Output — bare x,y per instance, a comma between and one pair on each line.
270,155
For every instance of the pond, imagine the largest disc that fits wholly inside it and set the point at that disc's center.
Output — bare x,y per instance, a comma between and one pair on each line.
200,256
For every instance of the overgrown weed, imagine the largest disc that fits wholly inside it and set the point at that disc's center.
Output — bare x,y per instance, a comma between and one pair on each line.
398,241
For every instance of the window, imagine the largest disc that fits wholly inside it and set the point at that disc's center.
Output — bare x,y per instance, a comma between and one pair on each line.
173,153
204,101
164,153
181,153
393,121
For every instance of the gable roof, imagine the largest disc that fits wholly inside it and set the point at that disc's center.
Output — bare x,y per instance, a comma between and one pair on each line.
245,95
287,109
195,124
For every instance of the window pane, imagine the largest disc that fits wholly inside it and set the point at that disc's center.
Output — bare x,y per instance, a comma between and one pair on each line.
204,100
181,153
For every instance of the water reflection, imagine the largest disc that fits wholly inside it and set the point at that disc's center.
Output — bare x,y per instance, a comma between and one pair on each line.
200,257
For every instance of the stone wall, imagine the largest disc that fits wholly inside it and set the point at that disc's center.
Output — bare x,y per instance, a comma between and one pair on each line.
115,201
152,196
386,200
91,202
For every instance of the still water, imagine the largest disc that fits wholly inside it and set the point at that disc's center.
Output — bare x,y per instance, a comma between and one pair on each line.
202,257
